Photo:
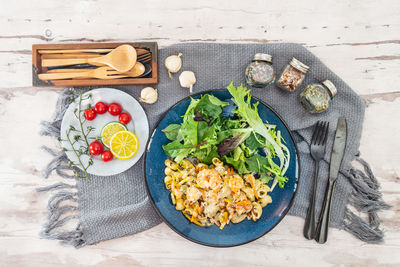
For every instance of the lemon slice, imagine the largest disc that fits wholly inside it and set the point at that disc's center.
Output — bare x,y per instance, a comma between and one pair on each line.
124,145
109,130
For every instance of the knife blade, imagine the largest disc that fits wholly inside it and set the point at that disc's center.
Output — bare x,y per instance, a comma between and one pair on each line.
339,147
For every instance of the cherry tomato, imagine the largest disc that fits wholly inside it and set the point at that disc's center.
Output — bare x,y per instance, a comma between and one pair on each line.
95,148
106,156
124,118
114,109
90,114
100,107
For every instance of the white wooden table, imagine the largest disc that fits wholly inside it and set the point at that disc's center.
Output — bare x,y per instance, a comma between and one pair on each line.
359,40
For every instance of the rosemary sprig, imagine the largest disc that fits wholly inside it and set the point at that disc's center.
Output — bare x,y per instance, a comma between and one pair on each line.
78,154
74,136
78,114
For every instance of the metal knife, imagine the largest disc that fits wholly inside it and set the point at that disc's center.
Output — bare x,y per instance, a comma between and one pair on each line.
339,146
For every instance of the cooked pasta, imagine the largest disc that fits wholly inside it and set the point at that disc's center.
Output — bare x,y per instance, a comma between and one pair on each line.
214,194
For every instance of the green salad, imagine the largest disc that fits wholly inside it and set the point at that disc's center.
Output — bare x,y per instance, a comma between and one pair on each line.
243,141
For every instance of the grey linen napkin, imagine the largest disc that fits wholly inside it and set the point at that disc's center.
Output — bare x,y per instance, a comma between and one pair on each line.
111,207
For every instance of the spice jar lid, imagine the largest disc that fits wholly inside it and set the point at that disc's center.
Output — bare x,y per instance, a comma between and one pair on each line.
299,65
263,57
331,87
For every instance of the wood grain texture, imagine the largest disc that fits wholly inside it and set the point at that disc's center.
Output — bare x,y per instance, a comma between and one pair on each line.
359,40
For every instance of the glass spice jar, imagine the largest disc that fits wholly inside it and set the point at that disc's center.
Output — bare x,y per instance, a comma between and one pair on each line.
316,96
293,75
259,73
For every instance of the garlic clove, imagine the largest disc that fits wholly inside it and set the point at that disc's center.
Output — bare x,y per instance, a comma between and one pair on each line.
173,64
148,95
187,79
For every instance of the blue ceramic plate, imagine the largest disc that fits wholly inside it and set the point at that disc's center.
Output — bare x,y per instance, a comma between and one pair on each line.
232,234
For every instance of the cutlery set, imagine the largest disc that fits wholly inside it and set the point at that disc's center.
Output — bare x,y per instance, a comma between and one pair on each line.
123,61
312,229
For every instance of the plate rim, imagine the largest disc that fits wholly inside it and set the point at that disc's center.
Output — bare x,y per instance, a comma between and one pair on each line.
168,223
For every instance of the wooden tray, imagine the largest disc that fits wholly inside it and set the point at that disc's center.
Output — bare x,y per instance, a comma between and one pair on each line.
37,68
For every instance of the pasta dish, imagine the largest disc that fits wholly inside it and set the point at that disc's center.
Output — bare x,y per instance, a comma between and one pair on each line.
215,193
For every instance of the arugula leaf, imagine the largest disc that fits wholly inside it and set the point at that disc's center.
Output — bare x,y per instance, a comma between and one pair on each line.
216,101
189,126
182,155
173,149
265,179
210,107
172,132
254,142
256,163
205,155
239,166
205,132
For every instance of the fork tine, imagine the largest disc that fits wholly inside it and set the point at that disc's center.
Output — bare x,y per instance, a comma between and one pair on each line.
315,132
321,133
326,131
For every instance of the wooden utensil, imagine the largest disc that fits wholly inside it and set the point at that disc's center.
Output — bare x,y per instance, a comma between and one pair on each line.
71,55
150,75
99,50
140,53
61,51
136,71
144,58
122,59
99,73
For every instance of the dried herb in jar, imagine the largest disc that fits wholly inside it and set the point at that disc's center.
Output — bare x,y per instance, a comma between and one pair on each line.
259,73
316,97
293,75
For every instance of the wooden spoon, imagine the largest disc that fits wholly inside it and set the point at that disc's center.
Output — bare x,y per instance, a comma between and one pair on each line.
99,73
122,59
137,70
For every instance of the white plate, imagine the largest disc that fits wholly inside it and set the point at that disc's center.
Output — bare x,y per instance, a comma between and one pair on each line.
139,125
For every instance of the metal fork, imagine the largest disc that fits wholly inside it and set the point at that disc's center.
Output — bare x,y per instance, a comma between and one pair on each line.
317,147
